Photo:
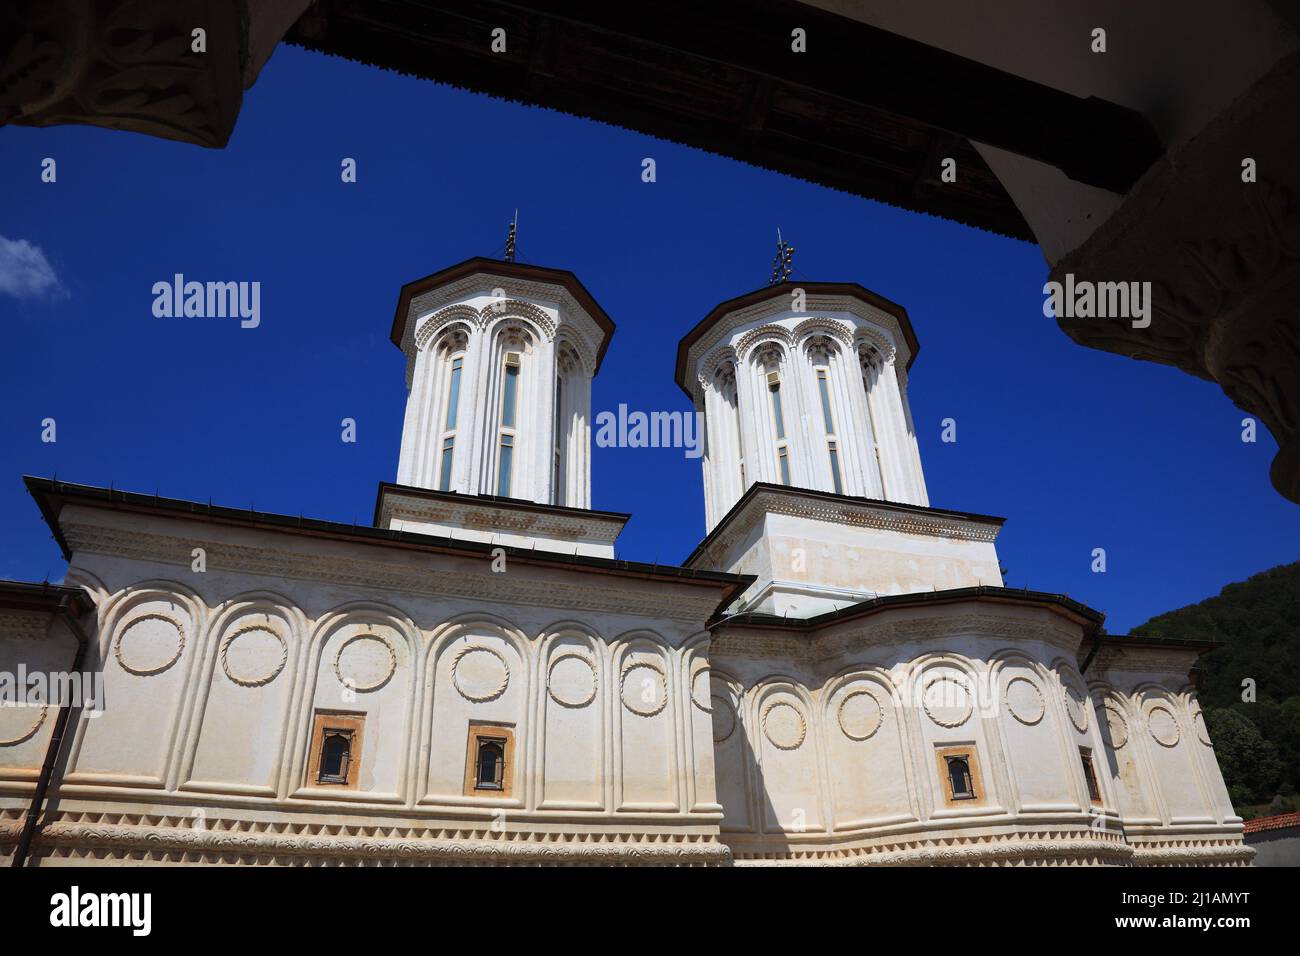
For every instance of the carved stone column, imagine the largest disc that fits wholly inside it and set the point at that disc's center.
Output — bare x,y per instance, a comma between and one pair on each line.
1223,257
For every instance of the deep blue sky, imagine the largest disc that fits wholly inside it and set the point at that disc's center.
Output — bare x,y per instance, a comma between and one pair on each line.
1077,448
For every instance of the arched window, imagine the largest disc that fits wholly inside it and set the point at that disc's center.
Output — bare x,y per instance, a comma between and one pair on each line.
819,350
959,778
491,763
868,358
726,379
449,425
509,415
335,755
771,363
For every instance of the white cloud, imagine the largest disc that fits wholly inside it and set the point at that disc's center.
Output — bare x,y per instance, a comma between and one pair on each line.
25,273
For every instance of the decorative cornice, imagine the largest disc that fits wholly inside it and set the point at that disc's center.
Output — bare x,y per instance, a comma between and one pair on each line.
389,576
816,309
491,516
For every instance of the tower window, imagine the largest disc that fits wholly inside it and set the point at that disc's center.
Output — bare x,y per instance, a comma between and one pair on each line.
783,461
489,756
1090,775
503,473
835,467
335,750
448,451
453,391
557,496
823,387
510,390
774,386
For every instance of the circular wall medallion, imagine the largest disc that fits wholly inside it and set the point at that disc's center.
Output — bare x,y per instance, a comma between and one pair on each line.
254,655
571,680
700,687
947,700
1025,701
724,718
1163,725
150,644
480,673
860,715
1076,705
644,689
1202,731
19,724
365,662
1116,725
784,725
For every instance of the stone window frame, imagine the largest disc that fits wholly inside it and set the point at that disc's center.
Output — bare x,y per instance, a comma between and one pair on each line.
333,721
480,730
970,753
1092,785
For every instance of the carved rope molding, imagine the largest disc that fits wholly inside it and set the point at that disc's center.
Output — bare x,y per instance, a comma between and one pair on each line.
362,849
360,573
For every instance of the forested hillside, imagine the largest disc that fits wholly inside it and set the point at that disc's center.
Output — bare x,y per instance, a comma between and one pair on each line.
1257,743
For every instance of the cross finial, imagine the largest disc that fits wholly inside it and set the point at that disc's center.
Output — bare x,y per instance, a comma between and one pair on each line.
510,238
783,262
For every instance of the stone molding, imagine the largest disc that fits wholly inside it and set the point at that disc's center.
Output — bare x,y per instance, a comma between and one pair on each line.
814,648
380,845
484,516
815,307
357,572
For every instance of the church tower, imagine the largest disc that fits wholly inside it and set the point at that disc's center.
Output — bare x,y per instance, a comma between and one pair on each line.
812,475
805,385
500,357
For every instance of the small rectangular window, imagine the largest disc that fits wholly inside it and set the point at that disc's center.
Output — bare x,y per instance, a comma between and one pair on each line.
835,467
448,452
783,460
959,774
335,757
1090,775
489,760
503,472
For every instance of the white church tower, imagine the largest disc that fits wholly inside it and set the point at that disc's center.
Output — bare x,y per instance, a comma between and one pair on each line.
805,385
500,360
812,474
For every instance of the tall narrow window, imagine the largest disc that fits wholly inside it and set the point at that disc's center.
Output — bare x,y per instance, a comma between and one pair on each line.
454,374
556,495
1090,775
778,420
503,475
453,391
509,401
510,390
828,420
448,452
774,386
823,387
